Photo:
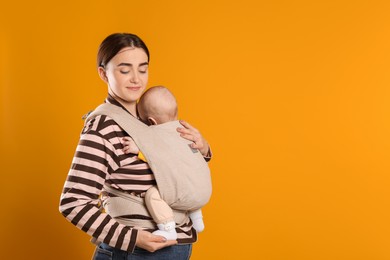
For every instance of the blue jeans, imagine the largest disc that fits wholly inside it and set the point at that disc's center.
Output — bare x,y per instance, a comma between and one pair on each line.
176,252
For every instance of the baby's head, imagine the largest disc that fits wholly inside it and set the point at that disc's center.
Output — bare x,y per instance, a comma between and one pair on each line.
157,106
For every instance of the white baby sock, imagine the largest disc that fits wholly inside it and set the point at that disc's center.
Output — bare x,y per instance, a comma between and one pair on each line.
197,220
167,230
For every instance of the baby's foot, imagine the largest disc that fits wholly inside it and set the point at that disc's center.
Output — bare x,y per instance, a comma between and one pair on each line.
198,224
167,230
197,220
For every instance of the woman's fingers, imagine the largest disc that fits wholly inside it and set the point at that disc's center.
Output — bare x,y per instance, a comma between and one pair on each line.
192,134
169,243
162,241
188,130
185,124
159,245
190,137
159,239
151,243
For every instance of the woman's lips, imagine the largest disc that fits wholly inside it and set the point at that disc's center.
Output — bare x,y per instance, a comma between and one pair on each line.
133,88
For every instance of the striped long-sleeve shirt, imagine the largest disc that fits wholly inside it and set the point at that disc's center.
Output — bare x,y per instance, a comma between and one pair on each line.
99,160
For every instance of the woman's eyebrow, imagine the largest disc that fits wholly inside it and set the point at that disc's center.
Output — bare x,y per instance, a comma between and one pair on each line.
131,65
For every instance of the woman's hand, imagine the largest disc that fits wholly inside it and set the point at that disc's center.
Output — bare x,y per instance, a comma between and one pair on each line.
192,134
152,243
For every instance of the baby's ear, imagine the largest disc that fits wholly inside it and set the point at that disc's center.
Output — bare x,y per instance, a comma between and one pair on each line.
152,121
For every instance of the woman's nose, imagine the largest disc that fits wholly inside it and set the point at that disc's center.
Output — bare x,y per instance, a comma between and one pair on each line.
134,78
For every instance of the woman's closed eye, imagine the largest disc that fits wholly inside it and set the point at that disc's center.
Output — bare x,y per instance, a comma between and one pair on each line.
127,71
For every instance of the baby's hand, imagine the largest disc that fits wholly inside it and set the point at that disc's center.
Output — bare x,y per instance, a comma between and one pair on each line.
129,145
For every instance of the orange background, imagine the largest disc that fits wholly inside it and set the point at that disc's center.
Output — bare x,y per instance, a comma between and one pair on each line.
292,95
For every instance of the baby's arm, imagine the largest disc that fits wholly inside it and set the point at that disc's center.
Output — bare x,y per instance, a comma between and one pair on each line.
129,145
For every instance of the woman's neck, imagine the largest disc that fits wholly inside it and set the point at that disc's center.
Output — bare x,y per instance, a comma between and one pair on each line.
130,106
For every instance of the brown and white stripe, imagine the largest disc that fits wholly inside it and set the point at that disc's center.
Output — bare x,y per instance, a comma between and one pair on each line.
99,160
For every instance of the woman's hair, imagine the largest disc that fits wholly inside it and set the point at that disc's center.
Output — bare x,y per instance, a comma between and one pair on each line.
116,42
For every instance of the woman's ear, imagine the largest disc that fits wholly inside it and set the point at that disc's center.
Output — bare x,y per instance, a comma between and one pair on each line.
152,121
102,74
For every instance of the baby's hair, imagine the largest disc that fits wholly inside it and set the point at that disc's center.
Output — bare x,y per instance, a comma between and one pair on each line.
159,103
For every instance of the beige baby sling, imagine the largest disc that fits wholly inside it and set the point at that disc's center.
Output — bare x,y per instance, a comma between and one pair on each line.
182,174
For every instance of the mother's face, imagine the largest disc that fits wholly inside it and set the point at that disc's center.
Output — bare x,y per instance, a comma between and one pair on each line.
126,74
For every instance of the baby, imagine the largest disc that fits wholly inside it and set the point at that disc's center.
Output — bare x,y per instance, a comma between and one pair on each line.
158,106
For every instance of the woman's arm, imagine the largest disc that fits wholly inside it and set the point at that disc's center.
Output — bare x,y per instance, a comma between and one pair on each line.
192,134
94,160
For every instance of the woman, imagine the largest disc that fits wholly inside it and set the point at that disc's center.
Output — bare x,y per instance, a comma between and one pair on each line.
122,61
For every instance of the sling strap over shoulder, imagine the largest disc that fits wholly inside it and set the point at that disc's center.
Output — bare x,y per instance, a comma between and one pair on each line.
182,174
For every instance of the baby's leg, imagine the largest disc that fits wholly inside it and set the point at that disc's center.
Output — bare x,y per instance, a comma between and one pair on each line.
161,213
197,220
